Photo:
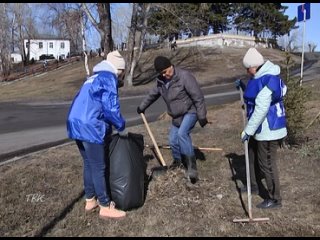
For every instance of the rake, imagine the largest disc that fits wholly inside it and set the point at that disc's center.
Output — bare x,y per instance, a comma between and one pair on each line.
164,165
195,147
250,219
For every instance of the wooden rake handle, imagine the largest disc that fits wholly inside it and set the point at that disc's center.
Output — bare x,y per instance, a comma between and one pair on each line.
246,156
153,140
195,147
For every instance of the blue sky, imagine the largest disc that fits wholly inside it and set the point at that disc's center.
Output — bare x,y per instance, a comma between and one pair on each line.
312,31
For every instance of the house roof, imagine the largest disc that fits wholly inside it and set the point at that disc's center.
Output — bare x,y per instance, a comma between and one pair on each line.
48,38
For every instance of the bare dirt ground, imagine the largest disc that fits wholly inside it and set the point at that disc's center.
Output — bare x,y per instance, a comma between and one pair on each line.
42,194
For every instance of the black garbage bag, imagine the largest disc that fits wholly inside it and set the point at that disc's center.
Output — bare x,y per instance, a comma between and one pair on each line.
127,170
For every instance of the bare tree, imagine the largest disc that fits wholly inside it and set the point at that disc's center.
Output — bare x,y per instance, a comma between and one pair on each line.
67,19
22,27
84,46
104,26
131,44
291,43
138,25
70,22
312,46
143,28
12,32
5,40
121,17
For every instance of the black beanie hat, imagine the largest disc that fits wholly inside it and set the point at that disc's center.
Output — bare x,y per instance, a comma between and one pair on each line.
161,63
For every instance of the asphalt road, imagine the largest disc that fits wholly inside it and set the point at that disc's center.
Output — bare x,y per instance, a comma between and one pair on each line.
26,127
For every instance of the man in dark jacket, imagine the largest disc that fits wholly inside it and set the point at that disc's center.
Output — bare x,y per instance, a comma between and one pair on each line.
185,104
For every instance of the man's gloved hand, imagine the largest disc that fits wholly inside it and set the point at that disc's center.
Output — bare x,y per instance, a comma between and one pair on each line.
239,84
139,110
203,122
244,136
123,133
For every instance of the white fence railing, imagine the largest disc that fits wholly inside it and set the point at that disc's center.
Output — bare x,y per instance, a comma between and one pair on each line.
222,40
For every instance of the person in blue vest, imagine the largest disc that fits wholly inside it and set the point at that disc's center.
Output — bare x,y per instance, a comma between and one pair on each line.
93,112
266,126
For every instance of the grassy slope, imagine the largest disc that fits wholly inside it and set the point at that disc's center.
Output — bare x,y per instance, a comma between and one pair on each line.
209,65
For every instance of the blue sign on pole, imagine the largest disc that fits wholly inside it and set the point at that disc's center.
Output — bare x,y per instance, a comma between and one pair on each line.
301,9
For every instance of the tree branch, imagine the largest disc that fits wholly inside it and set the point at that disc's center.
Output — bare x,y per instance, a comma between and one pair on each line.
91,18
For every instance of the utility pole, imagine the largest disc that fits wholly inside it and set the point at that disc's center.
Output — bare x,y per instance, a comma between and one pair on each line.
302,55
303,15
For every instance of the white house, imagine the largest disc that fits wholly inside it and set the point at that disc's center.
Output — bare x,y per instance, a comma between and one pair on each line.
44,46
15,57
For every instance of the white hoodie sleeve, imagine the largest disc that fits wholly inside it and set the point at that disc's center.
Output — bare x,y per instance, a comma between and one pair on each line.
262,104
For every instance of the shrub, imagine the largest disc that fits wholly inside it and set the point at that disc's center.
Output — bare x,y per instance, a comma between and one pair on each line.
294,103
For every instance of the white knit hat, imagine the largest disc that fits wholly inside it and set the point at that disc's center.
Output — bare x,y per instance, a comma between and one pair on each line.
252,58
116,59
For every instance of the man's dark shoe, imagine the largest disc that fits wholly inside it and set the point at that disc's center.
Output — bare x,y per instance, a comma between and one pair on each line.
254,190
269,203
176,163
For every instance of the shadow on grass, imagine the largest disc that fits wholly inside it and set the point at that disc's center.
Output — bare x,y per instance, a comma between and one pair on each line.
46,228
238,171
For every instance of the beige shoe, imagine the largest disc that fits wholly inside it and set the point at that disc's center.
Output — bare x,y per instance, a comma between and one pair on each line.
91,204
111,212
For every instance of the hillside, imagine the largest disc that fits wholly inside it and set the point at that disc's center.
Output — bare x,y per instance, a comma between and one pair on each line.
209,65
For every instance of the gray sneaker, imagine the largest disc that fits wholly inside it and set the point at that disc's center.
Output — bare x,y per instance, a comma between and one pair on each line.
269,203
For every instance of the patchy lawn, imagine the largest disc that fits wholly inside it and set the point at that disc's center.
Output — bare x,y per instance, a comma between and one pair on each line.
41,194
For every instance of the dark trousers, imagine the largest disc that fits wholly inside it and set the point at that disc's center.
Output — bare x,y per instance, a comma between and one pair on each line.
253,163
263,164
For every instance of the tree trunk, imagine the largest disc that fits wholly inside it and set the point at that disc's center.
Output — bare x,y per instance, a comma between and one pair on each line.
105,26
5,59
137,54
84,48
131,43
146,9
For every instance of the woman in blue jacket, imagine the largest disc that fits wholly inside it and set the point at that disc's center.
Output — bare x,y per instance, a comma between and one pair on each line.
94,110
266,124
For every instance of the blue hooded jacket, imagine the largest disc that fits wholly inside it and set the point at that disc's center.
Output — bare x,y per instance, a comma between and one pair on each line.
96,106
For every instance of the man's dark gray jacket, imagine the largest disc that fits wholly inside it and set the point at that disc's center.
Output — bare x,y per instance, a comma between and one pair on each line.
182,94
